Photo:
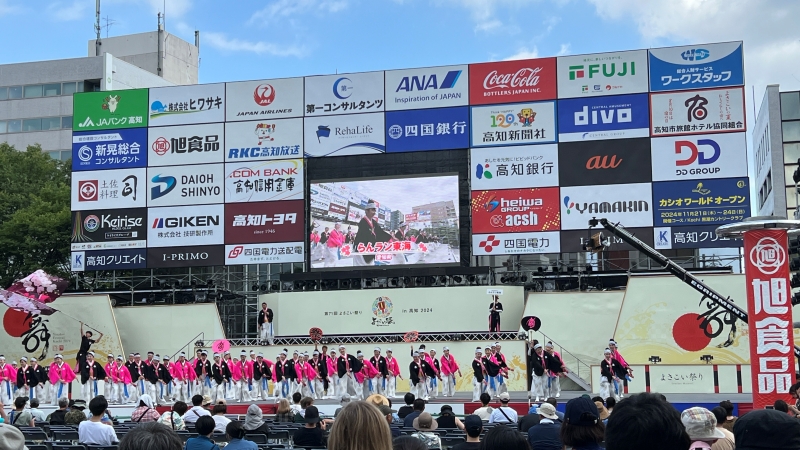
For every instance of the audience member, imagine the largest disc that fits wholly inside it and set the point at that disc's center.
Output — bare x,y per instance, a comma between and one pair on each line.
343,402
305,402
582,428
701,425
766,429
174,417
145,412
408,443
730,419
598,399
727,443
602,412
296,407
151,436
396,420
196,411
57,416
408,407
645,421
504,414
38,414
485,411
388,413
10,437
505,438
447,419
19,417
781,406
360,426
312,433
205,428
419,407
554,402
425,426
236,441
794,391
254,420
218,414
284,412
75,415
545,434
92,431
610,403
473,425
529,420
377,400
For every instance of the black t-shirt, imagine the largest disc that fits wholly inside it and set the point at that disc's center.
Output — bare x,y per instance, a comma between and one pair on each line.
308,436
86,343
528,421
404,411
467,446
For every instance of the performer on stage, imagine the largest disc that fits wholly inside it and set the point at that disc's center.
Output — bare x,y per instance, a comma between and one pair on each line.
163,379
280,378
333,244
265,317
416,373
244,387
119,377
500,359
230,393
625,374
291,373
26,379
479,376
539,371
308,374
380,380
431,373
495,308
492,370
608,375
346,367
369,232
183,377
91,371
364,387
433,386
60,375
321,370
150,377
393,372
555,369
202,372
108,386
221,375
333,376
42,390
262,372
86,344
449,368
6,382
137,376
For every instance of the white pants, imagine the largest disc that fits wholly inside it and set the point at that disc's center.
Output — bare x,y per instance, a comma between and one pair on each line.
363,389
555,386
433,387
108,391
91,389
205,386
42,393
283,389
477,389
245,394
491,385
163,392
260,389
133,392
295,386
331,256
391,387
420,390
7,389
150,389
539,386
268,333
180,391
449,385
217,391
319,388
607,389
347,385
24,391
336,385
308,390
118,393
57,391
501,384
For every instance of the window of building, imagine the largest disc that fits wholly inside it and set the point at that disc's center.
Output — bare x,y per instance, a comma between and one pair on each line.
66,122
790,105
788,171
36,124
32,125
60,155
51,123
791,200
33,91
14,92
68,88
3,93
52,90
2,126
791,152
14,126
791,131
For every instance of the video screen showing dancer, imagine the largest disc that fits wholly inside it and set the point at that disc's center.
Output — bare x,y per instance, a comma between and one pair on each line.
381,222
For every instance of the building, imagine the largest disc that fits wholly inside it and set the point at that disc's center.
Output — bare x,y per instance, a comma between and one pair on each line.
36,97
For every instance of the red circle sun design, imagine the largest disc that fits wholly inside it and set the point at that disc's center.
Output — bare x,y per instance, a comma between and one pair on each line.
16,322
687,333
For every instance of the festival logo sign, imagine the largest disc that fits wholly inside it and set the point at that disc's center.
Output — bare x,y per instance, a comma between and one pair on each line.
264,99
182,105
526,123
117,149
512,81
182,145
515,210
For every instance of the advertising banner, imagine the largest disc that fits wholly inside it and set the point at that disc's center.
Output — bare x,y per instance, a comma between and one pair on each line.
264,140
344,135
516,243
701,202
344,94
696,157
203,255
702,236
576,240
109,228
261,181
185,226
515,210
514,167
615,117
769,309
427,129
264,99
628,204
284,252
697,112
512,81
612,161
186,185
116,149
182,105
181,145
256,223
697,66
118,259
430,87
109,110
108,189
526,123
602,74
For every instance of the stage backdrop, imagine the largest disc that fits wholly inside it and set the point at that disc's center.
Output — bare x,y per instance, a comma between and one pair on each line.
384,311
42,337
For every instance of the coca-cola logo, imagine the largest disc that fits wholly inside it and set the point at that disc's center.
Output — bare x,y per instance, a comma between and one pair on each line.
525,77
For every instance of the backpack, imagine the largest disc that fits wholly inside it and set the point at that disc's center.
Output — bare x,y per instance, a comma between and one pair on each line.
431,440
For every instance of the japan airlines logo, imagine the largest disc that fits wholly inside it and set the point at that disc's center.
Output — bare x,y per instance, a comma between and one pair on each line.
343,88
697,155
235,252
490,243
696,108
87,191
695,54
768,255
157,191
264,94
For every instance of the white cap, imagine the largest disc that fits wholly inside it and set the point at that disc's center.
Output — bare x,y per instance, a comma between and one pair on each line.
282,353
252,352
416,354
316,352
538,345
612,342
487,348
445,349
432,350
131,354
377,349
58,355
90,353
182,354
478,350
216,355
295,352
166,357
341,347
119,357
13,363
548,345
358,353
305,353
33,359
24,359
157,357
607,351
110,355
260,354
388,350
227,352
496,344
243,353
204,353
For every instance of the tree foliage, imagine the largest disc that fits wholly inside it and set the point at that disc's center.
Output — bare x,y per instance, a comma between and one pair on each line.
34,214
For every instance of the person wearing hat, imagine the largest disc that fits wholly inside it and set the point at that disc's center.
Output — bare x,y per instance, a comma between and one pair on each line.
425,426
242,377
504,413
163,380
333,377
182,378
478,376
701,426
545,434
369,233
627,372
538,373
555,370
220,375
75,415
310,435
392,373
13,371
366,377
87,341
60,375
582,427
262,372
417,376
388,413
447,419
91,372
473,426
435,376
347,366
6,382
333,245
279,378
290,372
492,370
320,369
380,379
609,368
306,374
118,379
26,379
41,392
108,386
202,372
449,368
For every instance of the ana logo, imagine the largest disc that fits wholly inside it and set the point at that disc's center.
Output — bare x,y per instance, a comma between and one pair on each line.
697,155
110,103
157,191
382,307
526,117
597,162
489,244
264,94
343,88
235,252
482,171
695,54
264,132
491,204
701,190
423,83
86,123
87,191
696,108
160,146
768,255
568,204
85,153
395,132
608,70
323,131
91,223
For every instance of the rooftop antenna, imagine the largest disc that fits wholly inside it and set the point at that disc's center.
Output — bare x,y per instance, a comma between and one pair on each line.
97,42
108,24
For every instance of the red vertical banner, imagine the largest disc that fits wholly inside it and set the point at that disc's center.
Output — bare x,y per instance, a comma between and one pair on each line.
769,308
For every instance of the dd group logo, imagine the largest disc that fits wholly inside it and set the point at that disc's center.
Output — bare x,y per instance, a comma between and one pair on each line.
696,157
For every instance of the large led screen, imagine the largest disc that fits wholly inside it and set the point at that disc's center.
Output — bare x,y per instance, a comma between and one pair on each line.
384,222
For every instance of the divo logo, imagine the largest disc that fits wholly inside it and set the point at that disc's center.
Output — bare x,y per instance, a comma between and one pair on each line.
595,70
606,207
603,162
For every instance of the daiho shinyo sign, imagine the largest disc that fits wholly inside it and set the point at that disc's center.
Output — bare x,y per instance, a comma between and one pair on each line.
769,310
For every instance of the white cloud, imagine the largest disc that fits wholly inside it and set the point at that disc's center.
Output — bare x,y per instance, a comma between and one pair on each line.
175,8
65,12
564,50
222,42
286,8
524,53
6,9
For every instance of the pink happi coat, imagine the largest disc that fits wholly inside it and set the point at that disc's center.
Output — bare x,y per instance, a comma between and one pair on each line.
560,374
616,355
368,371
236,370
308,373
61,373
331,366
393,366
429,360
8,372
182,371
449,366
245,370
118,374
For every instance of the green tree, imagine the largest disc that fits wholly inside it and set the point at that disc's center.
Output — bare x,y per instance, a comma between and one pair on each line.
34,214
